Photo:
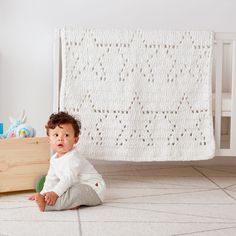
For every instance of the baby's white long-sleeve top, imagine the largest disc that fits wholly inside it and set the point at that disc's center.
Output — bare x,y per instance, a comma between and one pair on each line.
71,169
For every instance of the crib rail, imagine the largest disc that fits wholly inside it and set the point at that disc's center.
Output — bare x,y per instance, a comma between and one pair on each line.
222,39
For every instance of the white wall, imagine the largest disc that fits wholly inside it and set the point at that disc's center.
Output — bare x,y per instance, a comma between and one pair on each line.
27,32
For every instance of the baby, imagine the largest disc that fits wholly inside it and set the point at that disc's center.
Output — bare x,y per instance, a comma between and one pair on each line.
71,180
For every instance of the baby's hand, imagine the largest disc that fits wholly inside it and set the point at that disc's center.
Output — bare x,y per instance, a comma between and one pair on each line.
50,198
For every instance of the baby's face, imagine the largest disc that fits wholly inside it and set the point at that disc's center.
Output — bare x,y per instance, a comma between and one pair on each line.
62,139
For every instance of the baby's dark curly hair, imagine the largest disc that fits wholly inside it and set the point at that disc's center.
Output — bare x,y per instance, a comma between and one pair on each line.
57,119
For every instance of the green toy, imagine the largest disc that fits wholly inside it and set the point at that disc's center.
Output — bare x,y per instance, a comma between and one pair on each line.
40,183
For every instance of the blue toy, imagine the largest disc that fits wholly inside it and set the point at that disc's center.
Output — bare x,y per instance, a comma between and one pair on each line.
18,128
1,128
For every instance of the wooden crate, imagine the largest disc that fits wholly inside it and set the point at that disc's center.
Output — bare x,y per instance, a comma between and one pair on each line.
22,161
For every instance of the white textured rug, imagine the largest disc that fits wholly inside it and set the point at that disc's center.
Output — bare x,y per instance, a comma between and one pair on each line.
140,95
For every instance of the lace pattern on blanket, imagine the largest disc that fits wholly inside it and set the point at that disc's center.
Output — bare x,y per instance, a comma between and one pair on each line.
140,95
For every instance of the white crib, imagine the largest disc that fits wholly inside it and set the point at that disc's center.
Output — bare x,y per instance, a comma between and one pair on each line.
224,99
224,90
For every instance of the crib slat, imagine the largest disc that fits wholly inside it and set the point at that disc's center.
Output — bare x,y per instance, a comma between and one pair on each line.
233,101
56,71
218,92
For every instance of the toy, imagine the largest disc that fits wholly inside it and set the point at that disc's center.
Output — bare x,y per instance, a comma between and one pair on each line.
40,183
18,128
24,131
1,128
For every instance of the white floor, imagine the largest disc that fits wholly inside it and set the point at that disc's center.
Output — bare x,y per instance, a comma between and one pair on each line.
142,199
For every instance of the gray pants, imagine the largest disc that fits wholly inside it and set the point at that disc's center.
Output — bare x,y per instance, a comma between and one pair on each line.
77,195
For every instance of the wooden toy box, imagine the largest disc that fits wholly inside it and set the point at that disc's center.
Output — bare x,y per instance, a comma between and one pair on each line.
22,161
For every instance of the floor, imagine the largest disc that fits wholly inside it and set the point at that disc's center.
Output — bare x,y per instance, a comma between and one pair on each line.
142,199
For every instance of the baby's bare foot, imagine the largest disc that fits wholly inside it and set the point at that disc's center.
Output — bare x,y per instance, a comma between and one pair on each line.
40,201
31,198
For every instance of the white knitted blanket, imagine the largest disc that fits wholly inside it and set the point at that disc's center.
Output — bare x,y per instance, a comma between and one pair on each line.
140,95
